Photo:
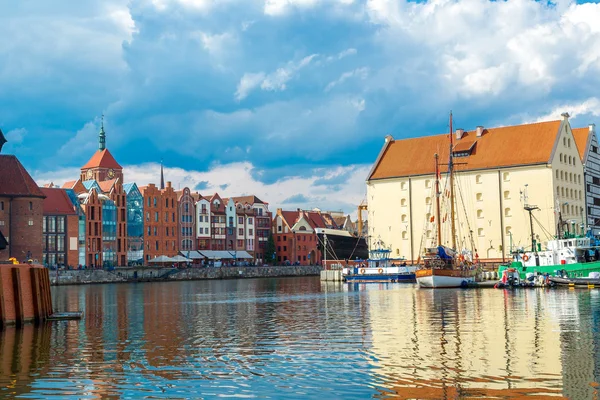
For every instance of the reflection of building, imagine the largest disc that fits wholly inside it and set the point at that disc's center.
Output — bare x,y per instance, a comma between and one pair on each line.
135,224
60,228
494,166
21,211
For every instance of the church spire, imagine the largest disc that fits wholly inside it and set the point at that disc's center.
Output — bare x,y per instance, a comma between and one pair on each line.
102,136
162,176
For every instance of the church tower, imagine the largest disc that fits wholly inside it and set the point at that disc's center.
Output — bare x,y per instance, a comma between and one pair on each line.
102,166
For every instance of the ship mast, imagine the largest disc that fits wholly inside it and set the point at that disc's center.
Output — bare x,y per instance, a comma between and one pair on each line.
437,201
450,171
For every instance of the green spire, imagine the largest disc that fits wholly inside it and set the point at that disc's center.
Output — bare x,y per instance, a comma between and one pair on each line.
102,136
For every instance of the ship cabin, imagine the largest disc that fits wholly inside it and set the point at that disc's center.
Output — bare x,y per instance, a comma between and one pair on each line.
561,252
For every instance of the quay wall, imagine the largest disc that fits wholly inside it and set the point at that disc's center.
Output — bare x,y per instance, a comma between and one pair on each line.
24,294
144,274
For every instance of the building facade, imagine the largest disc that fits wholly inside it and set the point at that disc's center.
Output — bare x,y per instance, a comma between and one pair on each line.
21,212
587,144
295,237
135,224
186,203
161,221
60,229
498,172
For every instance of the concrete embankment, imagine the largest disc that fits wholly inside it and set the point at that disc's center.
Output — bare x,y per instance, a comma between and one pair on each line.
80,277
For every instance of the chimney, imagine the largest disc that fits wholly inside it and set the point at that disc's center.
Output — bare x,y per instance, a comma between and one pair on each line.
459,133
389,138
565,115
592,128
168,184
479,131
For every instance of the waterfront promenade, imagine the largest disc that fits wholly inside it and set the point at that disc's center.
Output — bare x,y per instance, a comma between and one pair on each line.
157,274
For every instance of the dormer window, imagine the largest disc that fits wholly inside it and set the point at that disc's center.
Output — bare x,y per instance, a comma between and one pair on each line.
463,149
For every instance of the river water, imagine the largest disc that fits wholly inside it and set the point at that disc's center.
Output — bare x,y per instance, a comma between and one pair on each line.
301,338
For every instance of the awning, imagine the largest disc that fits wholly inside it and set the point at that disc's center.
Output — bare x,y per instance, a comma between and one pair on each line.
219,254
179,258
161,259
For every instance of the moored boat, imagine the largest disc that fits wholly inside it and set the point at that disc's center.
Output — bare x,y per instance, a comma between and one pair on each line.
590,282
380,268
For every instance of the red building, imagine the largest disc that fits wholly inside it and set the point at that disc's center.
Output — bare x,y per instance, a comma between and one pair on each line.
60,229
295,237
186,202
161,221
21,211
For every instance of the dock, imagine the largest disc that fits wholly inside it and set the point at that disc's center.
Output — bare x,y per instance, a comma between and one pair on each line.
65,316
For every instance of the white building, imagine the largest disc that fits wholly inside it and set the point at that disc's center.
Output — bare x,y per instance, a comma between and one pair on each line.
498,171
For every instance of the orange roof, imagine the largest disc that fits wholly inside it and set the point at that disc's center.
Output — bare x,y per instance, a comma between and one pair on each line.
581,136
102,158
498,147
106,186
69,184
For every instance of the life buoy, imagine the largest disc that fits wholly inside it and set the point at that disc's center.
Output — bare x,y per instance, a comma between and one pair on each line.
525,257
362,271
380,270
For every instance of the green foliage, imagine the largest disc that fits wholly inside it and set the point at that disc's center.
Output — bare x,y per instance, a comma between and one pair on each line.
270,250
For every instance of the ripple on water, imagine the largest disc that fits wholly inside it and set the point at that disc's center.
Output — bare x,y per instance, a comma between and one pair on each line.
299,338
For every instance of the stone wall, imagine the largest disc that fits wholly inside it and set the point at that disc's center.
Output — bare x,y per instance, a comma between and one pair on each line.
141,274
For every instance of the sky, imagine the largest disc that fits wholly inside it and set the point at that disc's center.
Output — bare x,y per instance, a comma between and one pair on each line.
289,100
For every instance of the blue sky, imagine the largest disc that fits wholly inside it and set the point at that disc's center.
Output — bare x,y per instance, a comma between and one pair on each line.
286,99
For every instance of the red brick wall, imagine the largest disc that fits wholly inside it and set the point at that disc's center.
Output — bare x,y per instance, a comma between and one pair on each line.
72,232
166,206
22,236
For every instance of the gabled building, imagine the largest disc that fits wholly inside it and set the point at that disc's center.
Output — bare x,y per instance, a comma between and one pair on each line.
135,224
218,223
587,145
21,211
60,229
203,223
161,222
498,171
186,201
295,237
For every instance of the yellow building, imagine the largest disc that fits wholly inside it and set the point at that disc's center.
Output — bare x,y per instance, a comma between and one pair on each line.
497,172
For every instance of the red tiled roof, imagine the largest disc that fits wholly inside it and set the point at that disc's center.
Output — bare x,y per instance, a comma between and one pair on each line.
106,186
102,158
581,136
315,219
247,199
57,202
69,185
498,147
15,180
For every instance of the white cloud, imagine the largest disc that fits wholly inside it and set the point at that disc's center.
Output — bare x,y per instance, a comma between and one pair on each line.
280,7
360,73
590,107
275,81
16,136
345,192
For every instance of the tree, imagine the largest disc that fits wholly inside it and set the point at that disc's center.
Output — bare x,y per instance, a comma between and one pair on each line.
270,250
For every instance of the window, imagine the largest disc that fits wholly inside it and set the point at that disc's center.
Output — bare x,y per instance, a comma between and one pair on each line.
557,174
479,213
30,206
155,216
284,248
428,200
560,157
479,196
561,175
508,230
155,206
428,234
240,220
404,235
569,143
427,183
565,142
562,191
284,238
506,176
250,232
594,149
507,212
506,195
477,178
249,221
403,218
1,206
403,202
30,222
60,224
480,232
241,231
166,203
402,185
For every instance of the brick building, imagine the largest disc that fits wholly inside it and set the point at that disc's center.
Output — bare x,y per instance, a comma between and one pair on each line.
21,211
295,237
161,221
104,202
60,229
186,203
218,223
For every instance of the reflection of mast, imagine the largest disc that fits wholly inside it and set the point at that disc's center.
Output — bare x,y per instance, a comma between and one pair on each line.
450,170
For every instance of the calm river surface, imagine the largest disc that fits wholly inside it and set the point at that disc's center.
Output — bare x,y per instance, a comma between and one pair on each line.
300,338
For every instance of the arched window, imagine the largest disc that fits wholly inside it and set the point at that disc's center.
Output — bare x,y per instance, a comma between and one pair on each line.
565,142
569,143
428,183
428,234
558,191
403,202
402,185
404,235
403,218
562,191
560,157
506,195
480,232
569,160
479,213
557,174
508,230
428,200
477,178
479,196
507,212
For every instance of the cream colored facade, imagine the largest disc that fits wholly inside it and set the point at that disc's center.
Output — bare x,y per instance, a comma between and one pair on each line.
489,205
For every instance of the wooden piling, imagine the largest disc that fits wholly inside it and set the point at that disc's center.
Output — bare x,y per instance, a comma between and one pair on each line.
18,296
2,305
36,294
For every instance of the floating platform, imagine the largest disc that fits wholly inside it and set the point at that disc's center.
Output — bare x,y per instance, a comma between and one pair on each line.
65,316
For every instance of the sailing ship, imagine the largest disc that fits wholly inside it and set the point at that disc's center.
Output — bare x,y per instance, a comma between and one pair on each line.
341,244
443,266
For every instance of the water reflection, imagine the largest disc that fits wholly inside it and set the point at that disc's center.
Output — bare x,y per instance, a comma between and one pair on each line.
300,338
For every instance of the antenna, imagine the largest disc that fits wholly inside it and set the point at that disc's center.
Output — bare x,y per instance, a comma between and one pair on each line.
529,208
